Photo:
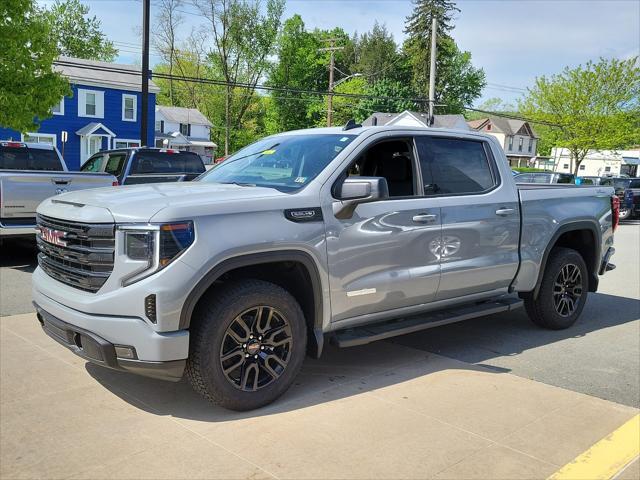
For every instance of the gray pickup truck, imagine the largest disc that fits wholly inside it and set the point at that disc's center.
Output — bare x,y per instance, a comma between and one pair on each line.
348,235
29,173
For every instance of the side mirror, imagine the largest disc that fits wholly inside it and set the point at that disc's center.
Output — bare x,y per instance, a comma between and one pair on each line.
357,190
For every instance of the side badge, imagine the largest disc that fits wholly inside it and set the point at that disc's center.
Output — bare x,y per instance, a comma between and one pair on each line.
300,215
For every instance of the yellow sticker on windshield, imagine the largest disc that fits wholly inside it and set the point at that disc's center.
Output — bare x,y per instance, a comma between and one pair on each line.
268,152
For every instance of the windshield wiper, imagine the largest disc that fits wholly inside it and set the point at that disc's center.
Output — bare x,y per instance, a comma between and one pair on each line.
240,184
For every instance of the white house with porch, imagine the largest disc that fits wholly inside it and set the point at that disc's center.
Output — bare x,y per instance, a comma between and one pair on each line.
184,129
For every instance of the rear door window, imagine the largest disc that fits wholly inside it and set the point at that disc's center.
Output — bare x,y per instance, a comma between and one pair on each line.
23,158
452,166
163,162
115,163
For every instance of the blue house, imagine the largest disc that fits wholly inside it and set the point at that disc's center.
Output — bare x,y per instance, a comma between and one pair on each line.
103,112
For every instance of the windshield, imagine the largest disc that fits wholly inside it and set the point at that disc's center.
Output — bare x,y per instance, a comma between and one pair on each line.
286,162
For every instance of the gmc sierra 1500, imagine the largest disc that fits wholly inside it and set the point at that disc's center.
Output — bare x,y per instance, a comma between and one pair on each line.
349,235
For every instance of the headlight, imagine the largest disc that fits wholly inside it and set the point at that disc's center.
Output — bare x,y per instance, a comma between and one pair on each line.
155,245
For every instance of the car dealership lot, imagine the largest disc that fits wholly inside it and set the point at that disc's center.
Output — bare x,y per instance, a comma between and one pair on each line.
493,397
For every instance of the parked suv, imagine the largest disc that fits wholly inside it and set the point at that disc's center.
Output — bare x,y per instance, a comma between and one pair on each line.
344,235
138,165
628,191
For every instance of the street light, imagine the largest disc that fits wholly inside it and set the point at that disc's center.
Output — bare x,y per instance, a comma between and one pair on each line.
330,98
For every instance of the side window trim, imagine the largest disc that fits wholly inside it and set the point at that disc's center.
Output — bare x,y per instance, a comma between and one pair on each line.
493,168
417,174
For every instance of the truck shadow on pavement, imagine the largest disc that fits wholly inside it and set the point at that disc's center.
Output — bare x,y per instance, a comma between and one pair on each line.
19,253
342,373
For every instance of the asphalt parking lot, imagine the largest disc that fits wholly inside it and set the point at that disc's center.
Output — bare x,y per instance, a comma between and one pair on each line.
494,397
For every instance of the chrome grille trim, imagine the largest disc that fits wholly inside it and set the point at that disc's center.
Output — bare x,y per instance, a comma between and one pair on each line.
86,261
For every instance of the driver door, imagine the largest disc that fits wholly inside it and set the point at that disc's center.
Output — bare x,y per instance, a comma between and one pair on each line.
385,255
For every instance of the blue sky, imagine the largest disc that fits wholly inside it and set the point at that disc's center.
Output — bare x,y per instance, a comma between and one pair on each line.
512,40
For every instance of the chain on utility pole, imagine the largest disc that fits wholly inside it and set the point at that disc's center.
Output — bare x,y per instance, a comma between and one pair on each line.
432,69
332,65
144,117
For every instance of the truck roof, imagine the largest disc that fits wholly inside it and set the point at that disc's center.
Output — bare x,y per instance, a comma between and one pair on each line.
359,130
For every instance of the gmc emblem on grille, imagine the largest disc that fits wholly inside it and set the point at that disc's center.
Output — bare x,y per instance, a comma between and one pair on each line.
56,237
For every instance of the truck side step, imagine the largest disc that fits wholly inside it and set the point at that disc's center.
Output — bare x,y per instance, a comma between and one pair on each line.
352,337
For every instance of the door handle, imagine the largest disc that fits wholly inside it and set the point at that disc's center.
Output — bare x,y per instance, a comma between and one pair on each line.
503,212
60,181
424,218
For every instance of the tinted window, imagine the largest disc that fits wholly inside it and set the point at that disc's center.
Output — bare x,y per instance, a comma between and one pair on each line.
21,158
115,163
94,164
453,166
634,184
164,162
286,162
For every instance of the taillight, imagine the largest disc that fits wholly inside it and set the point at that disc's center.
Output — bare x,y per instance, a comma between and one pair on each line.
115,184
615,212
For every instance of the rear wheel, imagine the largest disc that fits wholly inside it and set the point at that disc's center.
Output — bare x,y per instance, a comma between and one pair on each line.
247,344
563,291
624,214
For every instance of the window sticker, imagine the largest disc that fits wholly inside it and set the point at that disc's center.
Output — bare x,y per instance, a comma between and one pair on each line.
300,179
344,139
268,152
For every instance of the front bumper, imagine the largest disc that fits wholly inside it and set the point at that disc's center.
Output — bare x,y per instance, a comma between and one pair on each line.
96,349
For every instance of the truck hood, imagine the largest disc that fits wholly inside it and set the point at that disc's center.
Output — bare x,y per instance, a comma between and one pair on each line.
139,203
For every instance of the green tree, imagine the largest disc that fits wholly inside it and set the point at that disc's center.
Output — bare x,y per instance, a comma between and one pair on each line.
458,82
299,65
597,106
77,34
29,87
243,35
399,95
377,54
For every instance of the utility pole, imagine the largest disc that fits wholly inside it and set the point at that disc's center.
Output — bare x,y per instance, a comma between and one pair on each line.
332,65
144,117
432,69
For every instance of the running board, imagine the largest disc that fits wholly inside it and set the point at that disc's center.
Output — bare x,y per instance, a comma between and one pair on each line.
352,337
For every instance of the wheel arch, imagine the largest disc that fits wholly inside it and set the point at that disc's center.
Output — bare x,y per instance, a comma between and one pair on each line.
582,236
311,301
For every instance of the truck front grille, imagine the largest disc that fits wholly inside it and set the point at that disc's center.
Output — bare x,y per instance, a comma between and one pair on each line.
83,255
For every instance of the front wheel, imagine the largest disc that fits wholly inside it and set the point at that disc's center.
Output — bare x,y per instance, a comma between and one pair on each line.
563,291
247,344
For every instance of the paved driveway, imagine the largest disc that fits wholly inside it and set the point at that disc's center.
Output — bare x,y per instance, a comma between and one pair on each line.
377,411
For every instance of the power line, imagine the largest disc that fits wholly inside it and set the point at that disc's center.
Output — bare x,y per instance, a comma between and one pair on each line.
286,90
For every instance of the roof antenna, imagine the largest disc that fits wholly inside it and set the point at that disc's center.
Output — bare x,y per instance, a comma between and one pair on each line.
351,124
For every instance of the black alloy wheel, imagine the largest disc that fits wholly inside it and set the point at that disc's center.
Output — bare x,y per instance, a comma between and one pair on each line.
567,290
256,348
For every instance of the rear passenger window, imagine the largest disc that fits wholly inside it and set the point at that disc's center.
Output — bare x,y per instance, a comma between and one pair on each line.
115,162
453,166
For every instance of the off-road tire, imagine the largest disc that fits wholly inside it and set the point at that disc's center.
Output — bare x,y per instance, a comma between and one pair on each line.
542,310
211,319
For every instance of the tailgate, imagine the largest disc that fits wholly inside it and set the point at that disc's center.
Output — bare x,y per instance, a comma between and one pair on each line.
22,192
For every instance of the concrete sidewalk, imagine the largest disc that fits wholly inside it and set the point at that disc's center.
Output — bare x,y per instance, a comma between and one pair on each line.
378,411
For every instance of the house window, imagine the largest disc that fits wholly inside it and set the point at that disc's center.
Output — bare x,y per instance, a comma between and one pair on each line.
90,103
160,126
520,143
185,129
510,143
125,143
565,166
607,169
58,108
49,138
583,167
530,144
129,103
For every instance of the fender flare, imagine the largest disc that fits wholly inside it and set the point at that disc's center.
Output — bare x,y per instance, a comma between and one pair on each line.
251,259
571,227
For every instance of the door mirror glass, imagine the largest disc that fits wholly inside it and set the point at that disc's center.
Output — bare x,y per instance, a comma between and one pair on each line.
364,189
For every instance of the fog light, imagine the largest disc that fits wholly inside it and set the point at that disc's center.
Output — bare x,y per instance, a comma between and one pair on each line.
124,351
150,308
